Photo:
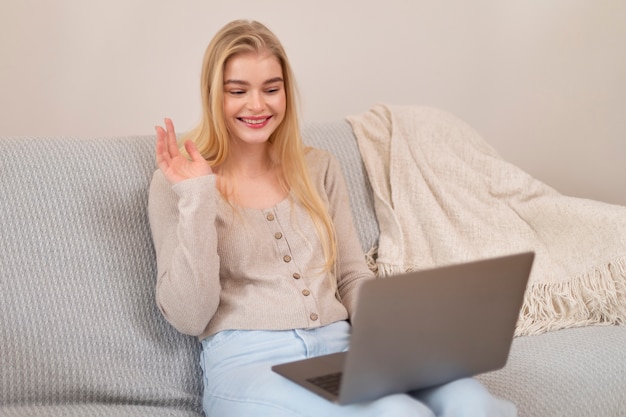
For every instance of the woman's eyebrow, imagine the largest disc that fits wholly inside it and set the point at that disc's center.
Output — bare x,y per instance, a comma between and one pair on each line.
274,80
246,83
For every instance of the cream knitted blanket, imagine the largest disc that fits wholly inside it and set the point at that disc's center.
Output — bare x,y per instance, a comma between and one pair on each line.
443,195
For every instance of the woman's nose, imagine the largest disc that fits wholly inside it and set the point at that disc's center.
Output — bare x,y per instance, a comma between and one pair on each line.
255,101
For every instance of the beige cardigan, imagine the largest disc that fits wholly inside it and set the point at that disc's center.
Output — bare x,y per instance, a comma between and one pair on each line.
251,269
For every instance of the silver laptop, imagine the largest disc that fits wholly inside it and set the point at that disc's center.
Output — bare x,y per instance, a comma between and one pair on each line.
422,329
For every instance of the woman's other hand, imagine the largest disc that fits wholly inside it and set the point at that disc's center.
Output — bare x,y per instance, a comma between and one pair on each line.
175,166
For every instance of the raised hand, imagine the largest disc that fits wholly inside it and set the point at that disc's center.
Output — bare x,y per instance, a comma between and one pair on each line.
175,166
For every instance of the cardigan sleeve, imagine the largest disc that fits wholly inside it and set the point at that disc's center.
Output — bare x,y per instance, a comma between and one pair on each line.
351,266
182,221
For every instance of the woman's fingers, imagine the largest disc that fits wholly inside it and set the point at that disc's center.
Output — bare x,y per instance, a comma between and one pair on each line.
193,152
172,143
166,140
201,166
162,152
171,162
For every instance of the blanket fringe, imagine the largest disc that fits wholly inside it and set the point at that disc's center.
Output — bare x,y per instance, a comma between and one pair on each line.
370,258
382,270
595,298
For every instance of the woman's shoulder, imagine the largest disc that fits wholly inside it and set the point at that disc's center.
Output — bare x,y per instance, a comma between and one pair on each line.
322,165
319,159
311,152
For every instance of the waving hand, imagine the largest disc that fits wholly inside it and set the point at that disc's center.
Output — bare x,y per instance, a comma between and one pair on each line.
175,166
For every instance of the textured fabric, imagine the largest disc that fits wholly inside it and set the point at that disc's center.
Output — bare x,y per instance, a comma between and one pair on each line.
78,322
443,195
241,268
94,410
574,372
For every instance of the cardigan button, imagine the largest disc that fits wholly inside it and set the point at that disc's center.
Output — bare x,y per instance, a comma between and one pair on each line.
306,292
278,235
270,217
296,275
314,316
287,258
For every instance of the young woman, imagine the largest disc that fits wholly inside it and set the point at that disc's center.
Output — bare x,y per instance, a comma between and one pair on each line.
257,254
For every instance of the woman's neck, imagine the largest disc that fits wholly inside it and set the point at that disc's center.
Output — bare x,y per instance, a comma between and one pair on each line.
249,161
251,179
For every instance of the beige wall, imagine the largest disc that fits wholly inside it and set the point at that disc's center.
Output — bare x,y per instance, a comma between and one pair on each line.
543,81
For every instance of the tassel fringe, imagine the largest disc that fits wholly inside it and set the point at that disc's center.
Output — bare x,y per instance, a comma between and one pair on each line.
595,298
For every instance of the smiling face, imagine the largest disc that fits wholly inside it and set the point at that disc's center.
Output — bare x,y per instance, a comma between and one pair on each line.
254,97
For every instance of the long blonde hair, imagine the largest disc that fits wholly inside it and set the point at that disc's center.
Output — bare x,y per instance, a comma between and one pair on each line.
211,136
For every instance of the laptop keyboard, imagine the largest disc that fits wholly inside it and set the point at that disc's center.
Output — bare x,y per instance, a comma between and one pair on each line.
329,382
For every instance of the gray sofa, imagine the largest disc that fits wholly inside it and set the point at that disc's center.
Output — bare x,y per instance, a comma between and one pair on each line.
79,331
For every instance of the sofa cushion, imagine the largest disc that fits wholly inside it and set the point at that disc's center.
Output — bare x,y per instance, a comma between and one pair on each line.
93,410
578,371
78,321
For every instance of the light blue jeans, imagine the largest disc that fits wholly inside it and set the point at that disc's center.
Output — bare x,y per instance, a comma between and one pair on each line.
238,381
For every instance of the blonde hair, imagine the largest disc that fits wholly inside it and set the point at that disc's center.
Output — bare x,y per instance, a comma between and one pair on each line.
212,138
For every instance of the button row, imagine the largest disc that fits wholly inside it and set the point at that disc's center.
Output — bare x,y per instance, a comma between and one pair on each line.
287,258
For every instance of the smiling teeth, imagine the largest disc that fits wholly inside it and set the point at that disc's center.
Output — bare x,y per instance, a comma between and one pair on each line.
254,122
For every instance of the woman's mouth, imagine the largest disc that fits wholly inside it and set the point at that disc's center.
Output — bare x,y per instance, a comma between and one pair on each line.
255,122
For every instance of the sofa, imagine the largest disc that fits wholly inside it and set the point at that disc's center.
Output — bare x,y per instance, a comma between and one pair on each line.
80,334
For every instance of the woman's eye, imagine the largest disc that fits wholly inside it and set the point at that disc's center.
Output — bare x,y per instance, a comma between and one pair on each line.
236,92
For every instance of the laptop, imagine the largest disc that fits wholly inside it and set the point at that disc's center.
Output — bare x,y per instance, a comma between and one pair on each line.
422,329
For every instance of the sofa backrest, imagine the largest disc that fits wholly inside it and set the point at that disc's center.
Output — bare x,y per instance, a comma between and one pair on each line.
78,321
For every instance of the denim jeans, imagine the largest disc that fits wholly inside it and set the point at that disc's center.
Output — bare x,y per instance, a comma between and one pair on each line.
238,380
